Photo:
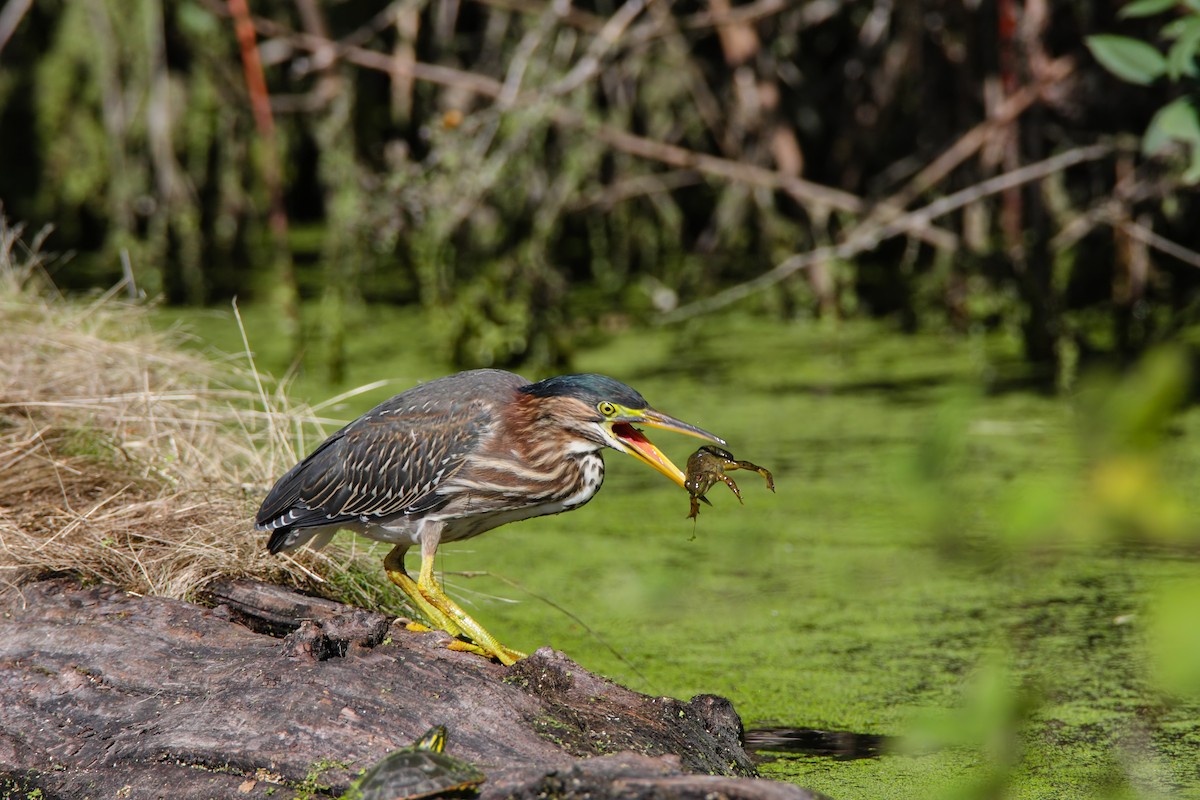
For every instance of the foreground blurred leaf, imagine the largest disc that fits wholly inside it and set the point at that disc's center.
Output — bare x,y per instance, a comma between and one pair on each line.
1176,122
1145,8
1173,639
1034,509
1181,57
1131,414
1129,59
995,709
1128,499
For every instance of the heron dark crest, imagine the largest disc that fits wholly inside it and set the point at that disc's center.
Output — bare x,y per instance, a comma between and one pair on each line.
456,457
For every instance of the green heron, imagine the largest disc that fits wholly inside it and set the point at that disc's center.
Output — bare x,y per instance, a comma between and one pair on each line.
456,457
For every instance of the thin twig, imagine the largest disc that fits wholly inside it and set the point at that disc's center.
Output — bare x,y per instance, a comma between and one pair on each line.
264,121
576,18
744,15
865,237
999,183
519,63
1161,243
971,141
14,11
609,35
569,615
619,191
256,86
806,193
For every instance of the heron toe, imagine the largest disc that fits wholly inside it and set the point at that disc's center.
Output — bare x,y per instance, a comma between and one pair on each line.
443,613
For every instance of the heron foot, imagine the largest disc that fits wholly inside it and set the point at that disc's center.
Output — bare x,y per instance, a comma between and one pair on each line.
437,619
479,639
459,645
444,614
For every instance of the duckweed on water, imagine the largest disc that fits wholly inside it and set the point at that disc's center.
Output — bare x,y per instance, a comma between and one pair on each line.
992,575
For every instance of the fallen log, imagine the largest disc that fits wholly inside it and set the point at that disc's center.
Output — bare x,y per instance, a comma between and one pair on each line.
108,694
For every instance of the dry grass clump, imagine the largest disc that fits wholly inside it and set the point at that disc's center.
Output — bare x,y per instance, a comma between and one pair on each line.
125,459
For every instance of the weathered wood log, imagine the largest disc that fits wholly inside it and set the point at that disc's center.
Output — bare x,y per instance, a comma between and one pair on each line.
104,694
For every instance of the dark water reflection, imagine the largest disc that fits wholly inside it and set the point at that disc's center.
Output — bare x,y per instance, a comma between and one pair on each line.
840,745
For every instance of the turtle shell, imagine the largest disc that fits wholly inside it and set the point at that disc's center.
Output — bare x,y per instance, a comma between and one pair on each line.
421,770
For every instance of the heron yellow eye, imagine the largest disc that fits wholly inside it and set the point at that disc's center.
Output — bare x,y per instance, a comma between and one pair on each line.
607,409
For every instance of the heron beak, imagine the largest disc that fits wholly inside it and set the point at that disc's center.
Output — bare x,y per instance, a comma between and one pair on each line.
641,448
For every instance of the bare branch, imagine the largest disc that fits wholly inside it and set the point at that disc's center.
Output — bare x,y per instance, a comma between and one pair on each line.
609,35
1161,243
14,11
576,18
370,59
971,141
637,186
1000,183
519,62
868,237
804,192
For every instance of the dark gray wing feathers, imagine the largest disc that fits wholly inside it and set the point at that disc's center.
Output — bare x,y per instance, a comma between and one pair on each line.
374,468
391,460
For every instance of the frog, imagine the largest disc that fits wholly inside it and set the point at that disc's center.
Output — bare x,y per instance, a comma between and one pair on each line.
710,464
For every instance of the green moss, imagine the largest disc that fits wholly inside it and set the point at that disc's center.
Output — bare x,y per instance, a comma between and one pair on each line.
554,730
313,785
13,787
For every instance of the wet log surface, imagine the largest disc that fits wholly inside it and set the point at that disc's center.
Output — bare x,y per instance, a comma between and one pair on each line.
104,694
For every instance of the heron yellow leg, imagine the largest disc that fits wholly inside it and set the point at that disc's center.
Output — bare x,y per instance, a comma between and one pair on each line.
442,612
433,594
393,565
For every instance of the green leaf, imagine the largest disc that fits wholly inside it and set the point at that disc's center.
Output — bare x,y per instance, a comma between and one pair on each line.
1192,5
1175,28
1129,59
197,21
1181,56
1181,27
1177,121
1144,8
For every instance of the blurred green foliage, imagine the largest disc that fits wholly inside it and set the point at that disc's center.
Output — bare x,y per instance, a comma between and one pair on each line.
1122,497
1174,640
1138,61
134,153
534,202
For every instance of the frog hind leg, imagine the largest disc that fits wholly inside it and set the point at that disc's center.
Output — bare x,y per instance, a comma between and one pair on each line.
733,487
751,467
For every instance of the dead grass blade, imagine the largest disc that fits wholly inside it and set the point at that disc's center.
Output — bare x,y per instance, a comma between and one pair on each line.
126,459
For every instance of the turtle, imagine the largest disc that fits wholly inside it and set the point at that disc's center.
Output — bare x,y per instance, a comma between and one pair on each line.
420,770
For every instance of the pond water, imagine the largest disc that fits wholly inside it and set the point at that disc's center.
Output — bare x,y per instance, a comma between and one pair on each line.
941,574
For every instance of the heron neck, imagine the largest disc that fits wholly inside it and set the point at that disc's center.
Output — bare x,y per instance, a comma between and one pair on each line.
543,433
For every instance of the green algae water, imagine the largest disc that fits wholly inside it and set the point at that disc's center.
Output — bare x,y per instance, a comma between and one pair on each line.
1001,583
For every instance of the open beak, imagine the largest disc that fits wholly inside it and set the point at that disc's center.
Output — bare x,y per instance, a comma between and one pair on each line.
641,448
